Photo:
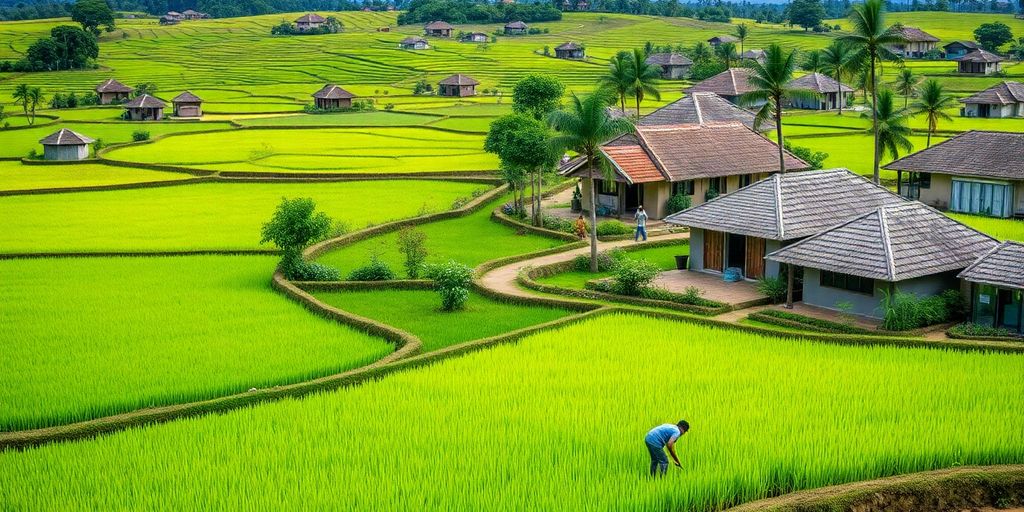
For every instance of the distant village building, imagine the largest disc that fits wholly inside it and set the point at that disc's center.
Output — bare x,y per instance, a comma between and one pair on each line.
515,28
189,14
717,40
383,29
756,55
997,288
457,86
570,51
311,21
112,91
979,62
702,108
978,172
730,84
830,93
673,65
66,145
918,43
413,43
187,104
475,37
438,29
175,15
575,5
1005,99
332,97
959,49
169,20
144,108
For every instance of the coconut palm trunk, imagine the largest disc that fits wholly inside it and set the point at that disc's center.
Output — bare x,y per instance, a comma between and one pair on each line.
874,120
593,214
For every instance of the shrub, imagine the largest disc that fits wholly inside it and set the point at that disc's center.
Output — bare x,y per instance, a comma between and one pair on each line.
140,135
606,260
806,322
422,87
452,281
294,267
678,203
412,245
558,224
980,331
632,276
375,270
773,287
612,228
906,311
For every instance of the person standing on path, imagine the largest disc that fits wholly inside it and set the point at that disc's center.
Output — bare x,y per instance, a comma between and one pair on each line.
641,224
664,437
581,228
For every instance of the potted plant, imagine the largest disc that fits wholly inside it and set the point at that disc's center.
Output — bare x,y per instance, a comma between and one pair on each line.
682,261
577,200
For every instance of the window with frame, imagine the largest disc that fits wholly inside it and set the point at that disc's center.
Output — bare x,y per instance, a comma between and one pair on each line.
847,282
717,184
608,188
683,187
746,180
982,198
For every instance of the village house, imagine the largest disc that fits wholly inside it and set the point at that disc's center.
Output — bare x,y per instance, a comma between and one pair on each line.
738,229
977,172
310,21
756,55
189,14
515,28
997,287
918,43
144,108
332,97
717,40
875,255
959,49
698,160
1005,99
979,62
413,43
458,86
438,29
730,84
830,93
570,51
112,92
703,108
175,15
66,145
187,104
674,66
474,37
169,20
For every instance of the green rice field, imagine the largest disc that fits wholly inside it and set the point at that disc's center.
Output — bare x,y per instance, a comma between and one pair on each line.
556,422
99,336
14,176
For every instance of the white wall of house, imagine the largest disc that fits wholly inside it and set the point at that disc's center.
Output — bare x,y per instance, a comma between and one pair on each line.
1001,111
66,153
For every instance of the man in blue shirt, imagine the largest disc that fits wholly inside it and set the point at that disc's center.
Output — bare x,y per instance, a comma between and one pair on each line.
641,224
661,437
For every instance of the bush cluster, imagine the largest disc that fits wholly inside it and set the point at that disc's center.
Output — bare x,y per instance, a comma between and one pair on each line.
331,26
558,224
452,281
606,260
808,322
973,330
633,276
295,225
294,267
773,287
612,228
140,135
71,100
467,11
375,270
906,311
678,203
357,106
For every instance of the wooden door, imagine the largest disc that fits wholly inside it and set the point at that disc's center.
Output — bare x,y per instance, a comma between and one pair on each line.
754,268
714,248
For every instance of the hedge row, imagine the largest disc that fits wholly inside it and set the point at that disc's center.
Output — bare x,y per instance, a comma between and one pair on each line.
788,319
500,217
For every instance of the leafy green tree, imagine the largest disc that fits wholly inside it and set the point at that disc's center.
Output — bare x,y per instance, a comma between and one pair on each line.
583,127
537,95
295,225
643,78
21,97
43,55
144,88
452,281
933,102
893,130
993,35
806,13
618,77
75,47
727,52
812,61
871,38
412,245
92,14
742,32
523,146
816,159
1017,49
838,61
701,53
906,84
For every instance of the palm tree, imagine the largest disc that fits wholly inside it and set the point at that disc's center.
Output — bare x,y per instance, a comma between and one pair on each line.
727,52
893,132
870,37
741,33
21,96
812,62
35,97
837,60
933,102
906,84
618,79
583,127
643,77
701,52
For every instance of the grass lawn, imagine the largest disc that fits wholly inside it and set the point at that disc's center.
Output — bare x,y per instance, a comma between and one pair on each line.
345,119
1003,229
15,176
854,151
18,143
564,414
204,215
663,257
419,312
90,337
471,240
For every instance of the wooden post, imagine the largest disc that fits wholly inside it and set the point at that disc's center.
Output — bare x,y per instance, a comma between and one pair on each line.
789,285
899,180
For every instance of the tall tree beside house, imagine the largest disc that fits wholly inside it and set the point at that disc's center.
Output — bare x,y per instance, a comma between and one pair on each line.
643,78
906,84
991,36
932,101
871,39
92,14
537,95
700,53
812,61
806,13
522,143
75,47
35,97
893,131
583,127
727,52
742,31
838,61
618,78
21,97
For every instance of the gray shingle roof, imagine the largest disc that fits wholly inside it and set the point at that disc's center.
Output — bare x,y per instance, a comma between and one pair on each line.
1003,93
186,97
755,54
439,25
892,243
569,46
819,83
413,40
975,153
459,79
145,101
789,206
515,24
332,92
916,35
980,55
723,39
112,85
970,45
731,82
700,108
1002,266
65,137
311,18
668,59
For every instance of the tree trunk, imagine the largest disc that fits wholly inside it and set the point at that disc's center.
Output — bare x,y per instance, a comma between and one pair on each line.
874,119
928,142
778,133
622,103
838,76
593,216
638,106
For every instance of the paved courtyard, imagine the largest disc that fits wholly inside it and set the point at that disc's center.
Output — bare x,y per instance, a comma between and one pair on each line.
713,286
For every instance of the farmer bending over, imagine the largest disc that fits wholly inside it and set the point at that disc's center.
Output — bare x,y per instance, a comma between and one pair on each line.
661,437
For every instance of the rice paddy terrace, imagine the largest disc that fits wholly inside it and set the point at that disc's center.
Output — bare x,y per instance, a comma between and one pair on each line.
136,300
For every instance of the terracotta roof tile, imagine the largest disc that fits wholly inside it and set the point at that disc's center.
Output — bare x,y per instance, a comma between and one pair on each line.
633,163
731,82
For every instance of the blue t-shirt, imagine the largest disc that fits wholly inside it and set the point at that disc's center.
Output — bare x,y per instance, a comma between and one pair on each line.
662,434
